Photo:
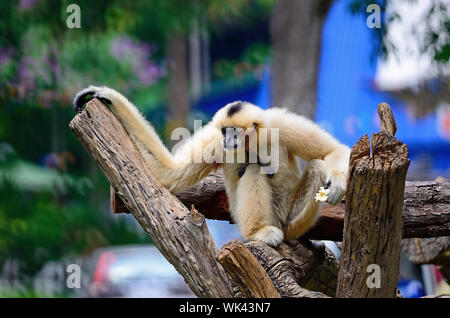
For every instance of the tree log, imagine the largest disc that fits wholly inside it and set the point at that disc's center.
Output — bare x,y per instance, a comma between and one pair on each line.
181,235
246,271
299,268
426,208
434,250
373,219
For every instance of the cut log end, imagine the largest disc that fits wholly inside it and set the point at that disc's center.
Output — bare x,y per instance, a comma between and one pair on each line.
251,278
387,120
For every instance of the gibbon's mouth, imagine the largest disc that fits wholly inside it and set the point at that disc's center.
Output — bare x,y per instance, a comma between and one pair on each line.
230,148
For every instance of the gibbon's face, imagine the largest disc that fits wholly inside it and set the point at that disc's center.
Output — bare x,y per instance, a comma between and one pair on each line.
239,123
237,138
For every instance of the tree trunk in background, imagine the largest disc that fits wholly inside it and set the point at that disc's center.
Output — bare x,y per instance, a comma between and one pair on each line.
296,32
177,86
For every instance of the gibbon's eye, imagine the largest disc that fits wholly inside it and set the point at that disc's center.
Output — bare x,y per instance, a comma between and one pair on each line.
255,125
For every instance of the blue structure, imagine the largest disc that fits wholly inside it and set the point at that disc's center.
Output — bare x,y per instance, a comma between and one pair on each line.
347,100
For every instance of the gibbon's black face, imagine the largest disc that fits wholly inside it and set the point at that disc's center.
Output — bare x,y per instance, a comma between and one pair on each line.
236,138
232,137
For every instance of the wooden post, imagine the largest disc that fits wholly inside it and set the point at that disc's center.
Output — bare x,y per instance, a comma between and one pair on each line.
369,265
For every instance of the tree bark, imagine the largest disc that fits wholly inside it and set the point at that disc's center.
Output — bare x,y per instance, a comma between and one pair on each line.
373,220
296,32
181,235
426,208
434,250
299,268
246,271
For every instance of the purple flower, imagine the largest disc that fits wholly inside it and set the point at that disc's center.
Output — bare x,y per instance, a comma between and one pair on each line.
138,55
6,55
27,4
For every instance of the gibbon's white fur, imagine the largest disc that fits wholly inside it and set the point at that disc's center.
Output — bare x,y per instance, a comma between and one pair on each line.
266,208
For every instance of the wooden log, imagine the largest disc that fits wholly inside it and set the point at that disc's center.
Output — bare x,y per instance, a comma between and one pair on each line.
426,208
435,250
246,271
181,235
299,268
373,217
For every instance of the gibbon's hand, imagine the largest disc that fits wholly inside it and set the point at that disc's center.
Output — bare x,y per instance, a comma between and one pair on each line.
337,186
89,93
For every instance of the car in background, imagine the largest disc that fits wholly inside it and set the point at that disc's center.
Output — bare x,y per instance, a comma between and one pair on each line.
134,271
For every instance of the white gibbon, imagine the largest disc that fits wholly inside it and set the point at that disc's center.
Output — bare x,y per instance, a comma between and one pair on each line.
269,207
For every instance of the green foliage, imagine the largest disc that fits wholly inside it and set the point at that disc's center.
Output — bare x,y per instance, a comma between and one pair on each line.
251,62
42,224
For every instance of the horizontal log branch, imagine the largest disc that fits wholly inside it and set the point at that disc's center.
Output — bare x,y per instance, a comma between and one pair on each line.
426,208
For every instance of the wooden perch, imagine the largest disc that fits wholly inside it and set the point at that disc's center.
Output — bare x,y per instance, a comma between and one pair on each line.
373,217
246,271
299,268
435,250
426,208
181,235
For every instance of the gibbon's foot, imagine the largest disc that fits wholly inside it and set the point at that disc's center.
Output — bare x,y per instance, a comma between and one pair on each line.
270,235
87,94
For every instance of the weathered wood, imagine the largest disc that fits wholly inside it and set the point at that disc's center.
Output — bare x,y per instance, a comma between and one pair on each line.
299,268
387,120
208,196
373,219
426,208
434,250
425,251
246,271
117,206
181,235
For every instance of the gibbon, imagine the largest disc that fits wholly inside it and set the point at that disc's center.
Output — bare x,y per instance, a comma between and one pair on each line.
268,206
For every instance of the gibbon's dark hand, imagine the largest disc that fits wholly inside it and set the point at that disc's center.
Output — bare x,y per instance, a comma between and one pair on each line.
87,94
337,187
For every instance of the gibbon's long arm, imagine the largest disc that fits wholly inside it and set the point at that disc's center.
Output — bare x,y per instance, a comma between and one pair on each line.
176,172
308,141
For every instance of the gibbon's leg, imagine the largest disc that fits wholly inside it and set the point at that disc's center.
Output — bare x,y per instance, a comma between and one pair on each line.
176,172
253,213
304,211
